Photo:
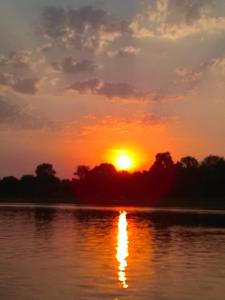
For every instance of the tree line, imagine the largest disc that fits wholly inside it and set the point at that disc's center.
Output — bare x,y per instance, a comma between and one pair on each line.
187,182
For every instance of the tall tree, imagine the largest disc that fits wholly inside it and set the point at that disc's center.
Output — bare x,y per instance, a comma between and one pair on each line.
163,161
45,170
82,172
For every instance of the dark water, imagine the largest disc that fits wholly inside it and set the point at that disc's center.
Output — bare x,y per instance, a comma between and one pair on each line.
69,253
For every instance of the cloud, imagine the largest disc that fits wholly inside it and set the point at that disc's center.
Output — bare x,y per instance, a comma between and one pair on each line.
192,77
16,61
124,52
72,66
84,28
13,114
17,72
45,47
173,19
83,87
120,90
107,89
27,85
24,85
180,12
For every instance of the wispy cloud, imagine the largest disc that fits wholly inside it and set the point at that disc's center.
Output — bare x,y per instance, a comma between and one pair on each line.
192,77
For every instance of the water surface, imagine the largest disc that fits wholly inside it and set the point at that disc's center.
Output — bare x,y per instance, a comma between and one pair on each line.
66,252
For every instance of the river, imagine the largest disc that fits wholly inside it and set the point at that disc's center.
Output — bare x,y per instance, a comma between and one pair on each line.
69,252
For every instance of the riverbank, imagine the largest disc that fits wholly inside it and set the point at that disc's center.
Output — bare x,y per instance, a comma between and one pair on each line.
195,203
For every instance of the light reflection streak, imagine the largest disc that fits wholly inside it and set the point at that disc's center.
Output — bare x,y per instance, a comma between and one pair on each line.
122,248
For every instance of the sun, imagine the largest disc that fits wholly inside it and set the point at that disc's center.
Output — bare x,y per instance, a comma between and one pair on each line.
123,162
122,159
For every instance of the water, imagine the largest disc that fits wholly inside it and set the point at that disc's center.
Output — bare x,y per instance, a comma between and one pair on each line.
64,252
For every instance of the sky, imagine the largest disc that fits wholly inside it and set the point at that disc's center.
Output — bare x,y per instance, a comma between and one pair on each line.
79,79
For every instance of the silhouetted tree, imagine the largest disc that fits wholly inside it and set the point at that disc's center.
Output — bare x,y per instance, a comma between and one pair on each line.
28,185
213,161
189,162
185,179
163,161
9,186
104,169
82,172
67,190
44,170
48,185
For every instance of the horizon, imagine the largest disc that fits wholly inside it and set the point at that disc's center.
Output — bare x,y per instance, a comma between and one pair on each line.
131,170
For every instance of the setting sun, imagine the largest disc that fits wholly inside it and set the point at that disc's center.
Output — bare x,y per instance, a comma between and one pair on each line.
125,159
123,162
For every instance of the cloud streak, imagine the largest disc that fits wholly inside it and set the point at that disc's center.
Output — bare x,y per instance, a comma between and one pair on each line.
109,90
127,51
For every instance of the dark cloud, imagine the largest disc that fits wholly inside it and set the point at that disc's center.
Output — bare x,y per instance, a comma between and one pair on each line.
23,85
13,114
72,66
83,87
54,21
84,28
107,89
120,90
27,85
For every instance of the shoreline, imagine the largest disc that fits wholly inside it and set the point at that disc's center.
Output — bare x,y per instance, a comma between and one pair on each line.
180,204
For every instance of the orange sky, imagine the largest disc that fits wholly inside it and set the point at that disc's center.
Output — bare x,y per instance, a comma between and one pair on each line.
121,75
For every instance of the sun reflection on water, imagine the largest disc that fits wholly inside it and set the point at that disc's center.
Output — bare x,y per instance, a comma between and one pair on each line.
122,248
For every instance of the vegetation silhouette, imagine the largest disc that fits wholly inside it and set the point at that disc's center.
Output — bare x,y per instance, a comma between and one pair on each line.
187,182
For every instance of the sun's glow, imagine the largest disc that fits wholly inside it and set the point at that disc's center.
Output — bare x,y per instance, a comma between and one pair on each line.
122,248
123,160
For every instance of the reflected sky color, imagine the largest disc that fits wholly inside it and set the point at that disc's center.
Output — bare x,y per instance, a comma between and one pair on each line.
122,248
75,253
